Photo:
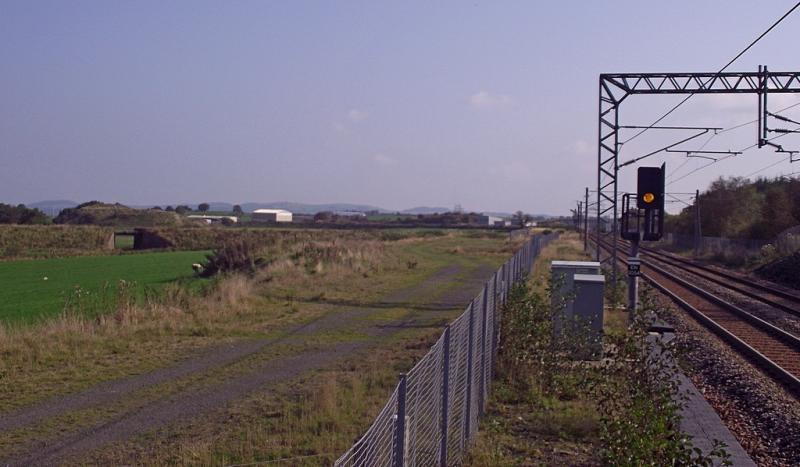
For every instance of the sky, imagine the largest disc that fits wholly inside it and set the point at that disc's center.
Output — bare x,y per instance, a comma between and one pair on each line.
490,105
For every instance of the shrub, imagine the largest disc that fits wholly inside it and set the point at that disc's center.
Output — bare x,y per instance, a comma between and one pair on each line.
633,389
639,400
241,255
21,215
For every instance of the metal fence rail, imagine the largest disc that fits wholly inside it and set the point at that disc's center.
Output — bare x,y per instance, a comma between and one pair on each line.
434,409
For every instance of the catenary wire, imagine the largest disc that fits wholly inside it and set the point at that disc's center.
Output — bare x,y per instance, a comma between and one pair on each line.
727,157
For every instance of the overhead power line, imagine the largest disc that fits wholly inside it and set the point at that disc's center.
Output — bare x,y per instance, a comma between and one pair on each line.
675,107
765,168
754,121
728,157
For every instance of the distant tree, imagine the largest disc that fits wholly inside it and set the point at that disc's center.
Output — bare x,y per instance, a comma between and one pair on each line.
156,208
324,216
519,218
237,209
203,207
182,209
20,214
736,207
169,208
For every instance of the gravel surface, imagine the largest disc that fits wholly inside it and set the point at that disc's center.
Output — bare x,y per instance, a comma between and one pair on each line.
786,321
763,416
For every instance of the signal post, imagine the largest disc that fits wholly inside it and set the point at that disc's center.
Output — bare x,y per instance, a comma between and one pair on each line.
645,221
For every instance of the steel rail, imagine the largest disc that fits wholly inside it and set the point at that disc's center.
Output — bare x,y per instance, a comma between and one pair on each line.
756,353
727,275
713,275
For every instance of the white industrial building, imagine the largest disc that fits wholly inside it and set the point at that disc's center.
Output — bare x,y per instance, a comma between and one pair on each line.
491,221
272,215
213,219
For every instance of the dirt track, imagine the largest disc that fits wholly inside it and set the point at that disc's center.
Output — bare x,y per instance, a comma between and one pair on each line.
195,401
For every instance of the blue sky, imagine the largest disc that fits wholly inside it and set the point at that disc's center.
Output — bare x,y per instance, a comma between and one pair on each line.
492,105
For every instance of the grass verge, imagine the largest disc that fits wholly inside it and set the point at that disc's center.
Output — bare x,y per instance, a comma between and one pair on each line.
547,408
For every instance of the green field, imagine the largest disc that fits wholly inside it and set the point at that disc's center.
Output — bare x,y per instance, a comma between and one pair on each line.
123,242
33,289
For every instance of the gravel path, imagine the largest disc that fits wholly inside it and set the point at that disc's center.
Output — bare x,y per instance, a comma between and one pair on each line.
194,402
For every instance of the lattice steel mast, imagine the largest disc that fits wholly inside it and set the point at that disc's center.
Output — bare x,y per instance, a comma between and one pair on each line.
614,88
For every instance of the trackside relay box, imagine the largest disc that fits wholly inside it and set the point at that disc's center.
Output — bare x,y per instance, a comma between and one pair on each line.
577,301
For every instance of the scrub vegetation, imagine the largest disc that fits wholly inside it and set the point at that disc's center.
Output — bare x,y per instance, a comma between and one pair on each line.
48,241
308,283
547,408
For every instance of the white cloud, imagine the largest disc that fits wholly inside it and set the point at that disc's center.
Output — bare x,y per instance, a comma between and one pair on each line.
383,159
485,100
357,115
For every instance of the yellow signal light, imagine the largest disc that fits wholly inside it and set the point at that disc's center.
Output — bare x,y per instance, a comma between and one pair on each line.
648,197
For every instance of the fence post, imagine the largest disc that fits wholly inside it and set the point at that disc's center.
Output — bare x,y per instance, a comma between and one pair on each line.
495,326
400,425
530,256
445,397
514,267
506,280
468,398
482,398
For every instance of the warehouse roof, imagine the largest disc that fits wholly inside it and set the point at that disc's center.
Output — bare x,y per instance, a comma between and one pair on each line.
271,211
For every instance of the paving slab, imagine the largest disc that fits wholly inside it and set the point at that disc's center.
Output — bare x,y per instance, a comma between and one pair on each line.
700,421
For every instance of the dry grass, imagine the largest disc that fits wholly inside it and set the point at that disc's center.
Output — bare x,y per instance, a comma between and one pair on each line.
46,241
306,423
526,426
140,335
134,336
317,417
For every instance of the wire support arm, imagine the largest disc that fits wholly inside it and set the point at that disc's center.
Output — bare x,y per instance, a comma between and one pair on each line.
637,159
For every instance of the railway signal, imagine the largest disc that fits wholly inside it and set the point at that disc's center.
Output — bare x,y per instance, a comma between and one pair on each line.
642,221
650,188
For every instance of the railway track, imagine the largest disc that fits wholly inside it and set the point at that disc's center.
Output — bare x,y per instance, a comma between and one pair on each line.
774,350
774,297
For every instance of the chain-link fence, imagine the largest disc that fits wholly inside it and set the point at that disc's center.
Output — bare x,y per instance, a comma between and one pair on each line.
433,412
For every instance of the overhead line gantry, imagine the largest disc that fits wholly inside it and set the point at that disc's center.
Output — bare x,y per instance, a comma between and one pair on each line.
614,88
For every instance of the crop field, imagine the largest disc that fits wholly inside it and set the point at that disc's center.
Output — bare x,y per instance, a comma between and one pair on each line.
35,289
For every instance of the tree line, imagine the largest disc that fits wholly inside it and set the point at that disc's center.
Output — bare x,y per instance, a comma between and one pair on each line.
20,214
736,207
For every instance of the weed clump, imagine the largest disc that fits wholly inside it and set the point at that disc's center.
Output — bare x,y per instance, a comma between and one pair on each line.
639,399
242,255
624,410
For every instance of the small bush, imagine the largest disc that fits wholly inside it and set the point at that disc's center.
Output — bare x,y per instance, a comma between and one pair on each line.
234,256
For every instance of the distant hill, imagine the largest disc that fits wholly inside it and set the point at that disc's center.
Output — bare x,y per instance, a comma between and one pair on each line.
52,207
118,215
302,208
498,214
425,210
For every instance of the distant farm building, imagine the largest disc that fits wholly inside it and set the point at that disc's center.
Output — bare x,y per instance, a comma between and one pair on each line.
272,215
213,219
490,220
